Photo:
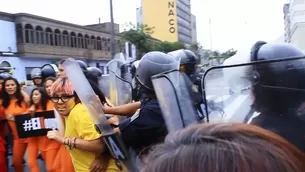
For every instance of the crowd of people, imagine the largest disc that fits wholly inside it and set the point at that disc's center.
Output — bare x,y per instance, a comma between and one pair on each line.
272,141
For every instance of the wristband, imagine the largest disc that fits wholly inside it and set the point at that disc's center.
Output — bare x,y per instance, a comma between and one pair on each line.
74,143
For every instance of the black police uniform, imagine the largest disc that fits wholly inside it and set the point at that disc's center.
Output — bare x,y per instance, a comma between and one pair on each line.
276,95
144,128
147,126
190,61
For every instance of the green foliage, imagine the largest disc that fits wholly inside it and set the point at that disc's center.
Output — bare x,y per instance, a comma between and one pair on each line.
168,46
140,36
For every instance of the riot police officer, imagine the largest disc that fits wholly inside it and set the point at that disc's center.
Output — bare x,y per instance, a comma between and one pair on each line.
147,127
83,65
134,82
48,70
94,74
36,77
279,90
188,64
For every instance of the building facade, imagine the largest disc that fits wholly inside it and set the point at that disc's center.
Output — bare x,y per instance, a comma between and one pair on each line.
171,19
33,41
194,29
294,18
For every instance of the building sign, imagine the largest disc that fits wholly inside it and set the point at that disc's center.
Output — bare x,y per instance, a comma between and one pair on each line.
171,15
164,21
39,125
8,43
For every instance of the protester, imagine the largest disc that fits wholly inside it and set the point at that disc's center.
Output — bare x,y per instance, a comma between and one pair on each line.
14,104
81,138
223,147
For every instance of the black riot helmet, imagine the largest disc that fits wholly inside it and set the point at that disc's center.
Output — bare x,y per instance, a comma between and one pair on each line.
82,65
278,87
187,58
153,63
96,72
48,70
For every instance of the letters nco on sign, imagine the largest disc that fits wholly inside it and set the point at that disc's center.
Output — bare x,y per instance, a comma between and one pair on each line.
171,15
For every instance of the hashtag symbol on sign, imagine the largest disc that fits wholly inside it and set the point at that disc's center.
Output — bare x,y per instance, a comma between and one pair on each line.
27,125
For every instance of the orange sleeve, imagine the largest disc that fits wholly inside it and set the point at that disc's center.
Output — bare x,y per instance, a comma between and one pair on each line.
50,106
15,110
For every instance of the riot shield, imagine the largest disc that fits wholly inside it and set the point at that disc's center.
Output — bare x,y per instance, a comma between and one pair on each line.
94,107
228,90
120,88
123,82
113,65
174,99
104,85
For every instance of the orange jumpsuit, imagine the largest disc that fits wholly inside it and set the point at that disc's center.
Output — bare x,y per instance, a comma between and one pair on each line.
19,145
48,148
3,165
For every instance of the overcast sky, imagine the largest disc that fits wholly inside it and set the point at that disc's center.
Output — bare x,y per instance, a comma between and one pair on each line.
234,23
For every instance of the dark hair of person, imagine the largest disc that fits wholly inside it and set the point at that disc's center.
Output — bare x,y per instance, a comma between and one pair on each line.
44,97
97,91
232,147
6,99
49,78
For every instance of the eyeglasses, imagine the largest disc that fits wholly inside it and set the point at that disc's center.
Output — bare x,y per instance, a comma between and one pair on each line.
63,98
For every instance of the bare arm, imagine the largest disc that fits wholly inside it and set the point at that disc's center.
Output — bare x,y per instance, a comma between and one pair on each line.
96,146
123,110
26,97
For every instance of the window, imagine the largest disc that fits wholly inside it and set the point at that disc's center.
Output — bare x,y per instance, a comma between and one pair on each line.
183,22
184,30
182,14
184,5
185,39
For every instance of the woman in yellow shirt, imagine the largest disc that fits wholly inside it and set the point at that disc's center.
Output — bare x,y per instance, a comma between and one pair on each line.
82,140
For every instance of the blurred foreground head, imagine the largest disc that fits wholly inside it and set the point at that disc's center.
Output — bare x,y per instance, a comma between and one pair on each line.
224,147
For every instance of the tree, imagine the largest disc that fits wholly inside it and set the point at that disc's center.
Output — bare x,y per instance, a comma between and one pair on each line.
168,46
217,55
139,35
197,49
229,53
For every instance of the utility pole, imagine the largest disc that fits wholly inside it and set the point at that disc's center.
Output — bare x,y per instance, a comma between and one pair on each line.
210,28
113,42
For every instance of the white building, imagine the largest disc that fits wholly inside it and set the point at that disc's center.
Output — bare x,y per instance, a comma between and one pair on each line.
139,16
294,16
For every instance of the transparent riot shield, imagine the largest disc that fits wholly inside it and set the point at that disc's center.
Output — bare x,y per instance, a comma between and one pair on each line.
174,99
120,87
94,106
104,85
229,89
113,66
123,82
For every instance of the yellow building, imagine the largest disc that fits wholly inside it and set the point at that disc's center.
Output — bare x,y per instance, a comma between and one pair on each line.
171,19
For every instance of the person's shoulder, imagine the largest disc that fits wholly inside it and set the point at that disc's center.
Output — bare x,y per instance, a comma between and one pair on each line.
80,112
